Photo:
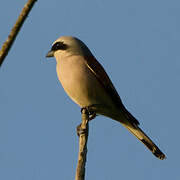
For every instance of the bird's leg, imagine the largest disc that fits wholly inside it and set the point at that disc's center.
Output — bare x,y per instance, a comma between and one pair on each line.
79,128
91,115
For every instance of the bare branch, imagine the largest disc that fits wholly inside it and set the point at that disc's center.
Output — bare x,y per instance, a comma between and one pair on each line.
14,31
83,131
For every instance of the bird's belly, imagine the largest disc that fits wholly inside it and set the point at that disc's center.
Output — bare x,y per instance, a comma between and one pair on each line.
80,83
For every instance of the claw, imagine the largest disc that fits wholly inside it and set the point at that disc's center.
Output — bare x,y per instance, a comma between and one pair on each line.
79,130
91,113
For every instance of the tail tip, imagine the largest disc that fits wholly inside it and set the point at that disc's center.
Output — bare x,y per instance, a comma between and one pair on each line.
162,156
156,151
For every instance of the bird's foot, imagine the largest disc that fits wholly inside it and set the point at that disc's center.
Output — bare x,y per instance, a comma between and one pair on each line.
91,114
80,130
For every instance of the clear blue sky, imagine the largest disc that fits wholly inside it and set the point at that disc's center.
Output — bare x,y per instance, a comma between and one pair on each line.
138,43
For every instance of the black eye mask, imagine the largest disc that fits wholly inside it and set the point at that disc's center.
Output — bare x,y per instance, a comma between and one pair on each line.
59,46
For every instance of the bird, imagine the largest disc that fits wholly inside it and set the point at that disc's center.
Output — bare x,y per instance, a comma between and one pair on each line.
86,82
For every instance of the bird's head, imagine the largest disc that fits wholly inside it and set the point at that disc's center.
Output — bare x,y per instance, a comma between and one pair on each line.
68,45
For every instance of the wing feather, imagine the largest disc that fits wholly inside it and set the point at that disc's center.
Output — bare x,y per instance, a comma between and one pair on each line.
101,75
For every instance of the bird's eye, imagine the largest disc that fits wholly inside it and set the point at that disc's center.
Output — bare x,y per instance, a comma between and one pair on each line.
59,46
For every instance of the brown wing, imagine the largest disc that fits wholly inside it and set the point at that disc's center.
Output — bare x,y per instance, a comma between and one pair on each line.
103,78
105,81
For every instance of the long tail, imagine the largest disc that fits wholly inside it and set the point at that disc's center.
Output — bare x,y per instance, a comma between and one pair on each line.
133,126
145,140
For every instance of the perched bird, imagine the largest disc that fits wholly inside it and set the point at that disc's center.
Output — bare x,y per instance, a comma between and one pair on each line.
88,85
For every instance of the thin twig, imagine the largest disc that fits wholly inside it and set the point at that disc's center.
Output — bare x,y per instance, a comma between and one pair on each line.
83,138
14,31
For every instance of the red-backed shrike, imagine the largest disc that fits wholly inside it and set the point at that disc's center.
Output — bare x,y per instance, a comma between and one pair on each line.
88,85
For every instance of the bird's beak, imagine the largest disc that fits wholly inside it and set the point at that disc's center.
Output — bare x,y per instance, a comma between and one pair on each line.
50,54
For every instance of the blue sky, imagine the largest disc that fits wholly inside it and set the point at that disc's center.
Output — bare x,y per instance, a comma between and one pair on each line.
138,44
